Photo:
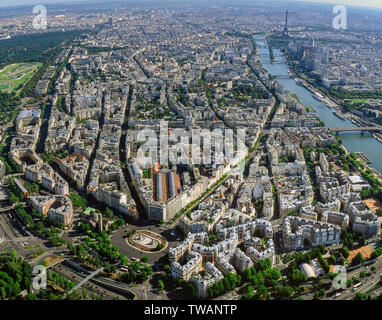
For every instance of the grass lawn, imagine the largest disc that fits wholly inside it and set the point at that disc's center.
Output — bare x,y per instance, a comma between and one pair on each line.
30,246
358,100
14,76
52,260
4,86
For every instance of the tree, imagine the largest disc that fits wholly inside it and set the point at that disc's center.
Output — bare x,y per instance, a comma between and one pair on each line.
227,285
71,247
296,276
144,259
284,291
167,269
271,275
376,253
262,292
362,240
319,294
345,251
340,261
247,275
160,246
56,241
332,275
160,285
211,292
109,213
249,293
322,248
357,259
263,264
30,296
360,296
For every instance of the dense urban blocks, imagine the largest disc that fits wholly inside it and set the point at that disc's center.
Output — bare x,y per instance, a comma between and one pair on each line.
181,152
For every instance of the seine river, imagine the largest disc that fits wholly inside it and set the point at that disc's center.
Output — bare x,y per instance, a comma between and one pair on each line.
353,141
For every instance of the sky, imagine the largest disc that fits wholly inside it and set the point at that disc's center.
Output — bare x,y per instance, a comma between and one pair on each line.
363,3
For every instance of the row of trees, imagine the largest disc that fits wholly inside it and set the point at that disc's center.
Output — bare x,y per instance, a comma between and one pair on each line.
14,191
349,239
102,244
224,285
40,223
60,281
376,185
259,277
137,273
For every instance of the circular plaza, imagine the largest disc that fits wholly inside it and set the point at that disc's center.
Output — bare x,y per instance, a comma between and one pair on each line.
147,241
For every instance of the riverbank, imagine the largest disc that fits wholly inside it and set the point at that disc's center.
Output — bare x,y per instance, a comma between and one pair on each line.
316,94
337,110
322,106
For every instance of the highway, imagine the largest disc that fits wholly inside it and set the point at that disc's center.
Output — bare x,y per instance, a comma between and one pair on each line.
76,277
83,281
348,294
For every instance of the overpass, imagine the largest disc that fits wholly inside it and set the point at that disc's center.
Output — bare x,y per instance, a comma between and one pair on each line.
78,285
104,282
355,129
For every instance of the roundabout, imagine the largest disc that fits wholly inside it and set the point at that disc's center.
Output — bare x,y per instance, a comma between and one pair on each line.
147,241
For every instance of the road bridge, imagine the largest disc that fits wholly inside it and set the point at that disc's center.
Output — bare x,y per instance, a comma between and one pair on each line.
282,76
356,129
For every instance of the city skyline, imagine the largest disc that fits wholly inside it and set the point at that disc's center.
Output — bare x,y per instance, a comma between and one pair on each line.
360,3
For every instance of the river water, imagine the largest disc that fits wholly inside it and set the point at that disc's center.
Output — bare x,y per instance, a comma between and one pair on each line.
353,141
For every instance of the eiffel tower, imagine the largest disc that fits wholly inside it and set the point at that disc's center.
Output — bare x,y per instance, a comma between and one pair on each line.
285,32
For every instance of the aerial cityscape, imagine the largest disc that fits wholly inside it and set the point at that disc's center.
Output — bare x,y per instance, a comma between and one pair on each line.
190,150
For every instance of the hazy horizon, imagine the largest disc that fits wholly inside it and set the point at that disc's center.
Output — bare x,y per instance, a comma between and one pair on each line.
360,3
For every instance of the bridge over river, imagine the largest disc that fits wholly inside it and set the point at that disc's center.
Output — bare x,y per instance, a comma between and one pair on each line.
354,129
